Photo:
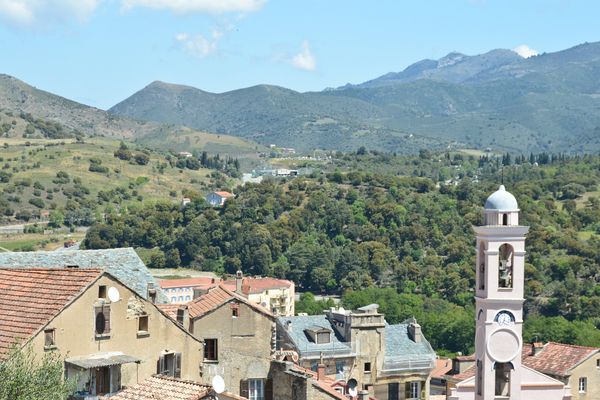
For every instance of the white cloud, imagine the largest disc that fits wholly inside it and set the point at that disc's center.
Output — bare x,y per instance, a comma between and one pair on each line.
28,12
199,45
525,51
305,59
206,6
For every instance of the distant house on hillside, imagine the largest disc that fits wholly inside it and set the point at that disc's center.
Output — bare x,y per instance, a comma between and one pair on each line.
217,199
181,291
185,154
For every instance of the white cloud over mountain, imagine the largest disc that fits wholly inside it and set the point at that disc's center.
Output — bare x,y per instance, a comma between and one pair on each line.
305,59
199,45
190,6
525,51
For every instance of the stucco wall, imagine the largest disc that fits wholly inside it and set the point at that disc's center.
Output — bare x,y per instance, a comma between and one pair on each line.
589,370
244,344
75,334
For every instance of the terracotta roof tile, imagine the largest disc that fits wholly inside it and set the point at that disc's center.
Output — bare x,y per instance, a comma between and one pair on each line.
165,388
224,194
174,283
442,367
557,358
258,285
30,298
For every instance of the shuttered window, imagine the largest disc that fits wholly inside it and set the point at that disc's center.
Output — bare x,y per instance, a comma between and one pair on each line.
49,338
102,326
211,350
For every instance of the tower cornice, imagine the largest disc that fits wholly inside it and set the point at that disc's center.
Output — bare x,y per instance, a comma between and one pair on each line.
501,231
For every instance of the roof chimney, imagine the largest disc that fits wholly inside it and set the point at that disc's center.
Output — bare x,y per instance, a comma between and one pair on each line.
239,277
363,395
536,348
320,371
414,332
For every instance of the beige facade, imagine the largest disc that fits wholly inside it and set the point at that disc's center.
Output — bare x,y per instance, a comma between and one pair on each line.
279,300
75,338
589,372
243,337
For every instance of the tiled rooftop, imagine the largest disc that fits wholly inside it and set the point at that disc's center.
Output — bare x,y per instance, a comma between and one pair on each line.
162,387
124,264
210,301
258,285
188,282
224,194
30,298
558,359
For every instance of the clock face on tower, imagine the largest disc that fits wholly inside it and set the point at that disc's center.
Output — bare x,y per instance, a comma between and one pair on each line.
505,318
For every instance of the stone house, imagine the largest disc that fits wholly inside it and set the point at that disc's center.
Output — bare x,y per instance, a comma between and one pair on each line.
578,367
108,335
124,264
274,294
360,349
238,338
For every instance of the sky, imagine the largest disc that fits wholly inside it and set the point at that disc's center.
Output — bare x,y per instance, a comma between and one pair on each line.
99,52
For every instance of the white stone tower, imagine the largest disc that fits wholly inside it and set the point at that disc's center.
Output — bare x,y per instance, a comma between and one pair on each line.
499,299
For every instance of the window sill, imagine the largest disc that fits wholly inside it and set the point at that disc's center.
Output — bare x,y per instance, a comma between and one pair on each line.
51,347
143,334
104,336
211,361
504,289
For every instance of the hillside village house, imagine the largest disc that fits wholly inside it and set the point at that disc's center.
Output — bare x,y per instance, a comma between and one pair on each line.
276,295
391,362
108,334
123,263
238,338
217,199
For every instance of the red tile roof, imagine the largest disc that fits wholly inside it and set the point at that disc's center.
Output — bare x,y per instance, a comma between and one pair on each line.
30,298
442,367
187,282
258,285
555,359
224,194
162,387
558,359
215,298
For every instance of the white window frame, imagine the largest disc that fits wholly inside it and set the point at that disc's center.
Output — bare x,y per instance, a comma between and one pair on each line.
415,391
582,384
256,389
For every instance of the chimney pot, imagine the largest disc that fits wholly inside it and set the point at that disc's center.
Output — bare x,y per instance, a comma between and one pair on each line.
320,371
414,331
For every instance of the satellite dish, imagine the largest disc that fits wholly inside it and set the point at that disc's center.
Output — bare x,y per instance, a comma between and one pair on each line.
113,294
353,392
218,384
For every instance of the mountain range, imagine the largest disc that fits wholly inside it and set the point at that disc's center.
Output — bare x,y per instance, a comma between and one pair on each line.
495,100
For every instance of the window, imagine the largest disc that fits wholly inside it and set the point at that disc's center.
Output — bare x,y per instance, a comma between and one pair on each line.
187,298
256,389
582,385
169,364
367,367
479,376
414,390
102,292
235,312
323,337
339,369
598,363
393,391
102,325
314,366
211,350
180,315
143,324
49,338
504,219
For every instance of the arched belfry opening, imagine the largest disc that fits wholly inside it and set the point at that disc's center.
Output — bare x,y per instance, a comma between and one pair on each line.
505,266
503,375
481,284
505,219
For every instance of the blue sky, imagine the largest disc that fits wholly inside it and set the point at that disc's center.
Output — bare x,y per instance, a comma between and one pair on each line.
101,51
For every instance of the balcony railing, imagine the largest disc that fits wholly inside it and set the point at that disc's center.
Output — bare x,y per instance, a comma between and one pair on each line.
338,349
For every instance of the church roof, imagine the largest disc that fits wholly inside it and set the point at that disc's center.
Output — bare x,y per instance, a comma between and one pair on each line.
501,200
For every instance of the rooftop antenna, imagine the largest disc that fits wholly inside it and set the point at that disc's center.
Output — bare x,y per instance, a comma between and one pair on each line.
502,179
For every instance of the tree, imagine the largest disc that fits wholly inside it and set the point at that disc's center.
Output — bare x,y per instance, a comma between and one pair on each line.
141,158
25,377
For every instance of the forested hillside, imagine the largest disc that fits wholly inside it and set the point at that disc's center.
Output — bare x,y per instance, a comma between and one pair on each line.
362,225
545,103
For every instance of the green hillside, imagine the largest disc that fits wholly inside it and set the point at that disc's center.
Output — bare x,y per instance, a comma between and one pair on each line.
498,100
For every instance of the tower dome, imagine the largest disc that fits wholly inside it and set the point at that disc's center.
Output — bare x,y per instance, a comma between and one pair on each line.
501,200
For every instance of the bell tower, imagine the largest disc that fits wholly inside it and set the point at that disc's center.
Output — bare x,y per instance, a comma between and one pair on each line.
499,299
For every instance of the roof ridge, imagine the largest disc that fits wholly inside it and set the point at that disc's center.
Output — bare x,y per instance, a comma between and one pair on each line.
577,346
